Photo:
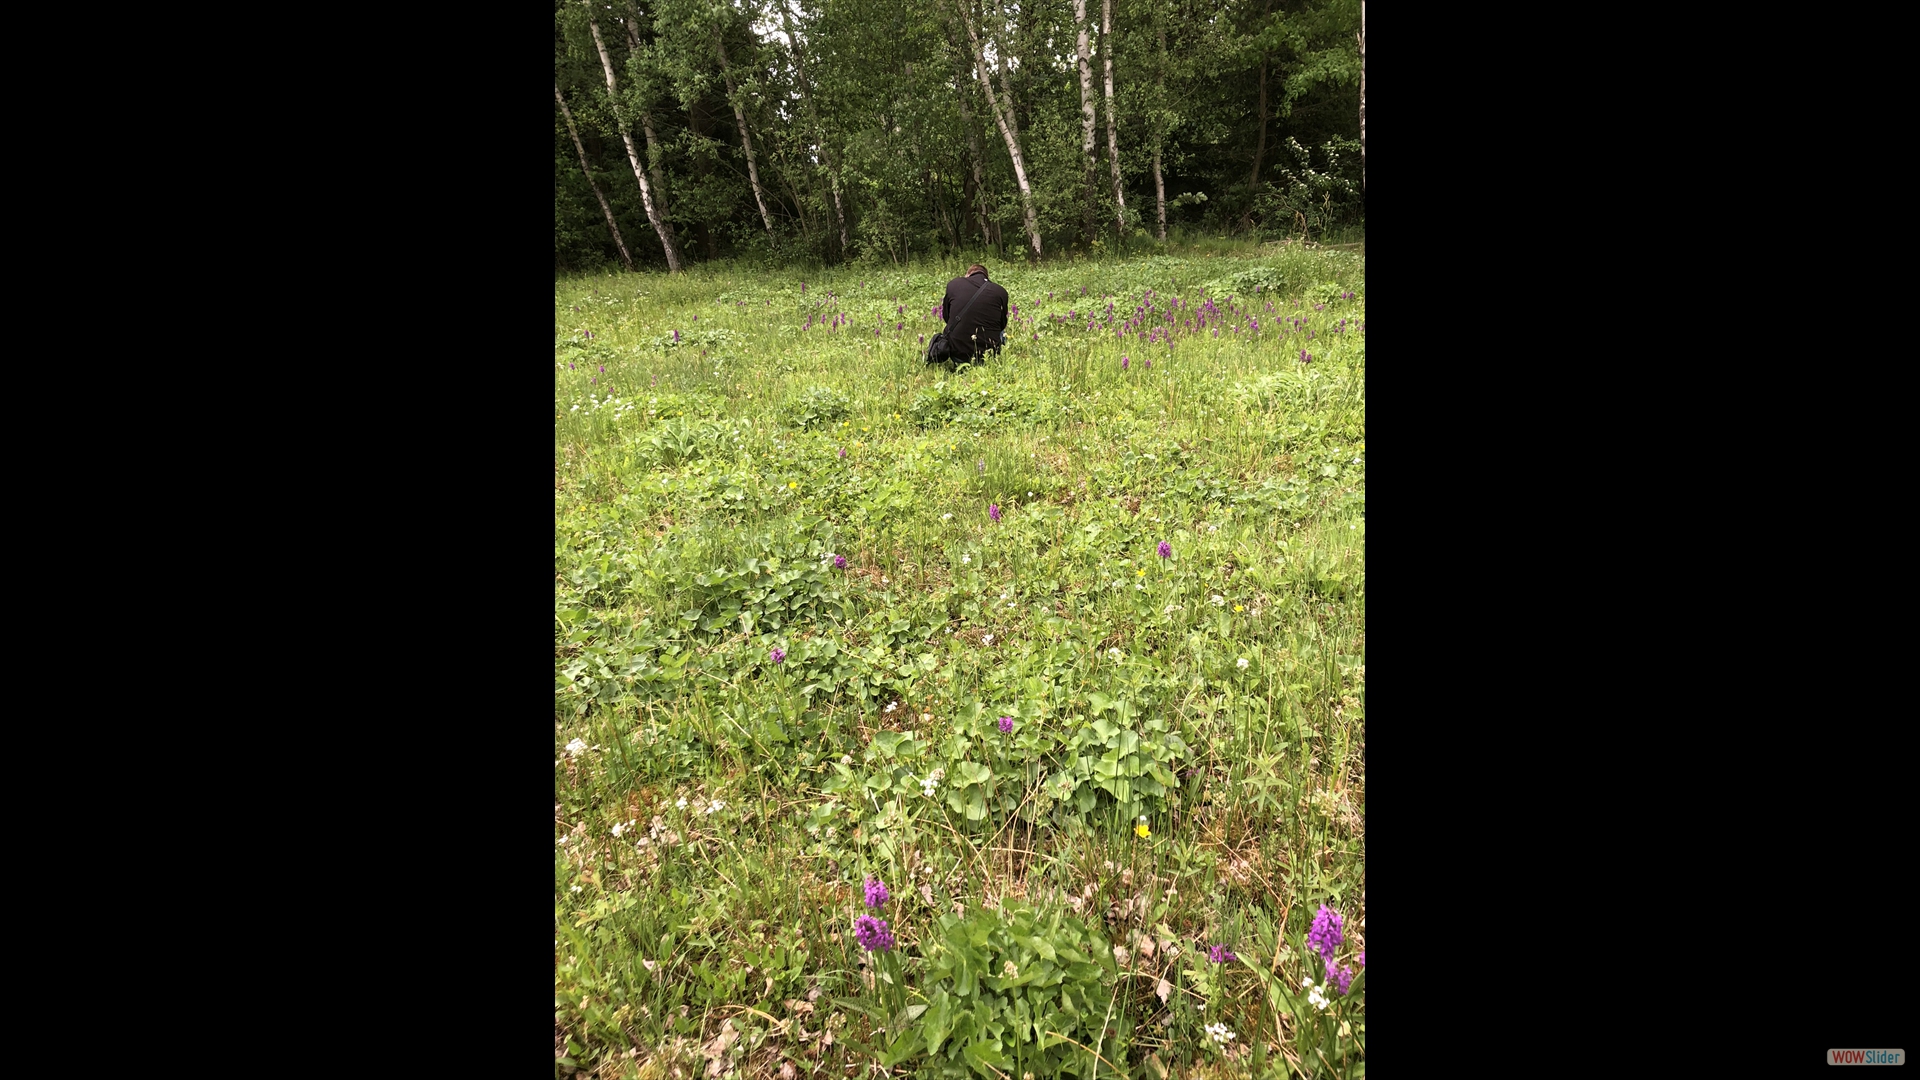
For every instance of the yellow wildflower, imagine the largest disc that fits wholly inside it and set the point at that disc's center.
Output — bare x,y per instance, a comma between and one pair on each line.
1142,831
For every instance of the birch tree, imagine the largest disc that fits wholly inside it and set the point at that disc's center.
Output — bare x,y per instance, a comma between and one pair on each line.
1113,140
1086,113
1363,95
746,140
626,135
637,54
612,226
1003,118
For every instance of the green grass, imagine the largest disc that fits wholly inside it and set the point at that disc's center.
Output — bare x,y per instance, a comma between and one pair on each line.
700,496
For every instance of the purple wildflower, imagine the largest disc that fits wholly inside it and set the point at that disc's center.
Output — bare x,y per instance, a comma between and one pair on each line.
1325,936
778,654
873,933
843,451
676,337
1343,976
1149,363
1166,550
1304,358
1220,954
923,339
569,367
876,892
603,369
1006,724
993,512
1363,958
1123,363
839,562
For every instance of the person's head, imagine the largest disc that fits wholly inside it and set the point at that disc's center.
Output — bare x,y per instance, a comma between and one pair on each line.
976,268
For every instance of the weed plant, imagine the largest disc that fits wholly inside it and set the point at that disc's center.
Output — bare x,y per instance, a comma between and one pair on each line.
1066,648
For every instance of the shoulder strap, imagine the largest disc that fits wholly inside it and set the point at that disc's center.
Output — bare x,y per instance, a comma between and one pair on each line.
977,290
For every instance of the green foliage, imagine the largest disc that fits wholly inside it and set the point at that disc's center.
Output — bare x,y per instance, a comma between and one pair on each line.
1008,989
816,407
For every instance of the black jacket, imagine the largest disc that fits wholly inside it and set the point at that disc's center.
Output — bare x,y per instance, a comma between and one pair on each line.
987,316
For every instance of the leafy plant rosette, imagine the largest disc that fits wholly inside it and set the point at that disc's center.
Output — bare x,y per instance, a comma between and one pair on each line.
1015,991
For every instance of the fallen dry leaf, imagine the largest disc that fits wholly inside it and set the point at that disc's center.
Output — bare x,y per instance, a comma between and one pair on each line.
1162,989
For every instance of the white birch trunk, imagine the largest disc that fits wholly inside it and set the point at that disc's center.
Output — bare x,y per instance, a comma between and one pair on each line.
1363,95
1006,131
654,154
746,141
612,226
1160,191
1113,140
1084,56
1159,136
633,156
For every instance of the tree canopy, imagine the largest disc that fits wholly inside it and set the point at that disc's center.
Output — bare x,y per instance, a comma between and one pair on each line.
851,130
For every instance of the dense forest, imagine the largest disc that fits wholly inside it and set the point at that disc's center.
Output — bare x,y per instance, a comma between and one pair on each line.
839,131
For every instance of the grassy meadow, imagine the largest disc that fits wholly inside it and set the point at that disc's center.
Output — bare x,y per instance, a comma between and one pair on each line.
1065,651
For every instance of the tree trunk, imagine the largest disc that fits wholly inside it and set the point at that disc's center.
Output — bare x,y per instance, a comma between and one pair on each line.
612,226
1086,116
1001,116
1160,190
1260,146
746,141
633,156
813,116
646,123
1113,139
1363,95
1159,136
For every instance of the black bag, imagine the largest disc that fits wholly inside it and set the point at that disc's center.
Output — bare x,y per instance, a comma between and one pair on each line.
940,350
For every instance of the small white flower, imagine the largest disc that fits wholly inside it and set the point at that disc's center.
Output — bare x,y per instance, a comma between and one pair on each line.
1114,653
1213,528
576,746
946,517
1220,1033
965,559
845,759
1136,586
618,829
892,705
1217,600
1242,665
987,640
682,804
715,808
